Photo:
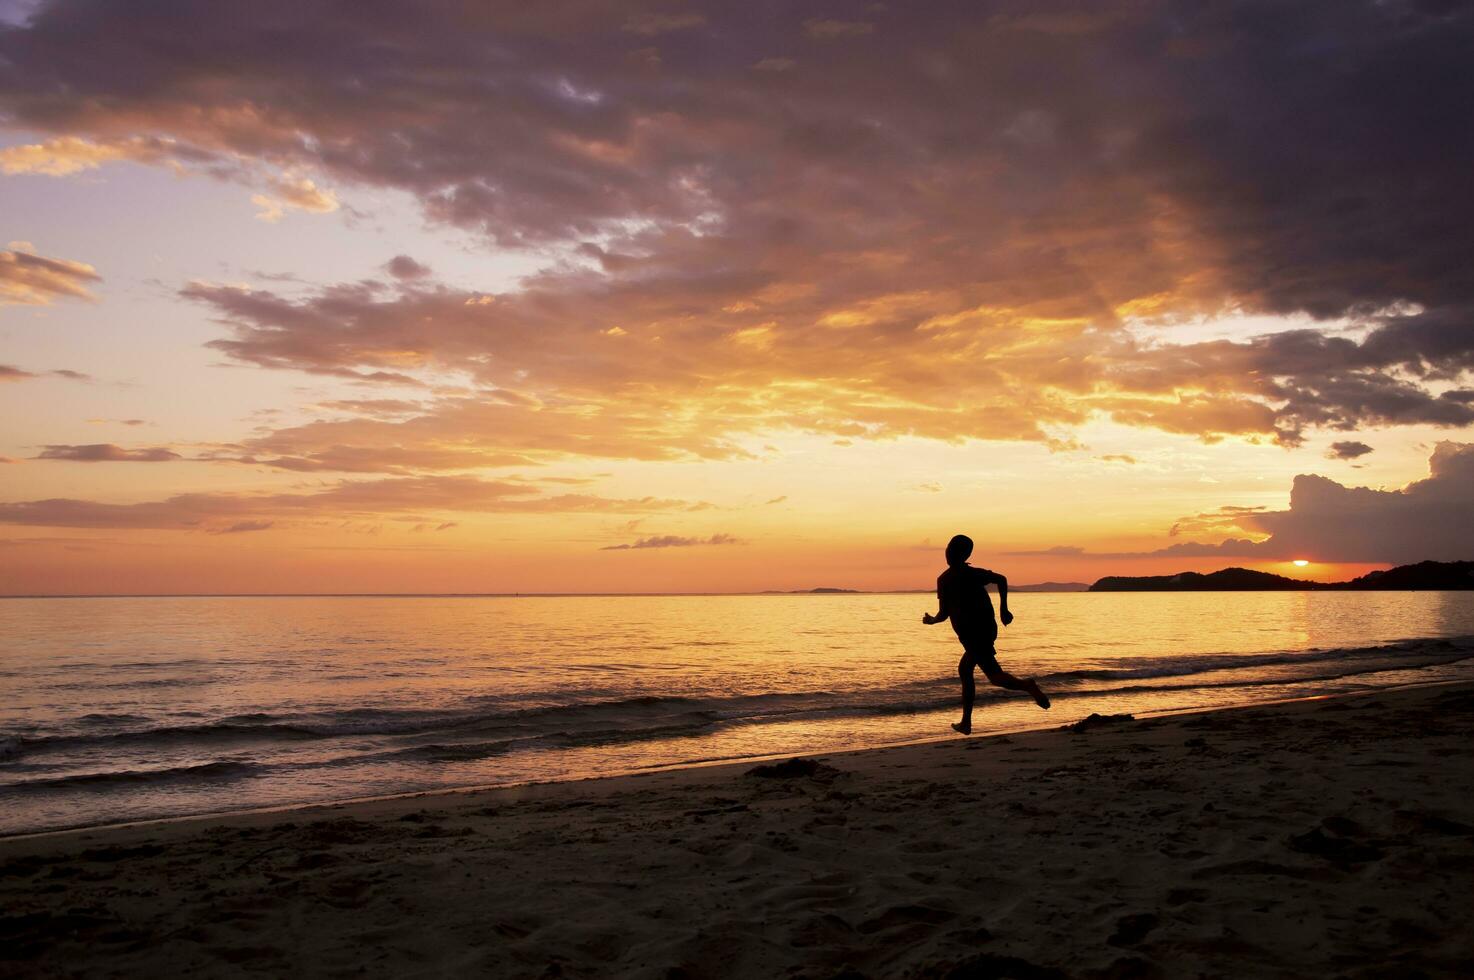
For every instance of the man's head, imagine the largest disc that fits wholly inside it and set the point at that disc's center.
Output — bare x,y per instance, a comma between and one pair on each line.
959,549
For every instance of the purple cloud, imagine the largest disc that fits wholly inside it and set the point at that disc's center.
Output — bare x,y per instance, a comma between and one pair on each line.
108,453
1348,450
672,541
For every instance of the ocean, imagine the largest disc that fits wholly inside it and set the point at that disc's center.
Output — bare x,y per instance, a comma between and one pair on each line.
120,709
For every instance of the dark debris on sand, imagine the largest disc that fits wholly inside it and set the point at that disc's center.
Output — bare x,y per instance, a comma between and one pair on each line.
1132,929
1341,841
795,769
1098,721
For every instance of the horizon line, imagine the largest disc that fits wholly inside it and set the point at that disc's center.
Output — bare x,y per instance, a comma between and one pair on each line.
821,591
424,595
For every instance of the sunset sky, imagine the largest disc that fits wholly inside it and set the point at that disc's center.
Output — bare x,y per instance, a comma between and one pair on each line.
623,296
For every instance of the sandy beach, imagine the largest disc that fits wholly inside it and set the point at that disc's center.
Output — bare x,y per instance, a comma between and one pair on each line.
1319,838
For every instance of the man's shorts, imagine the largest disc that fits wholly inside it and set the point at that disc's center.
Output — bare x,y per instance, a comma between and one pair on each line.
979,647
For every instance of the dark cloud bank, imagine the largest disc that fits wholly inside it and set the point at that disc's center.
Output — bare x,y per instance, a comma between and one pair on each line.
940,220
1348,449
1429,519
893,201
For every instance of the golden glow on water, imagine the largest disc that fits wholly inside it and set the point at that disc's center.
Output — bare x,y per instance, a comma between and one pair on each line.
291,700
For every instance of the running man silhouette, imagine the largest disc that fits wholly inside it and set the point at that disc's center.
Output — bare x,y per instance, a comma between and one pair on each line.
962,597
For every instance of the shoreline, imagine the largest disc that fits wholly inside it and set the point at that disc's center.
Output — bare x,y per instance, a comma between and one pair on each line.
677,767
1320,836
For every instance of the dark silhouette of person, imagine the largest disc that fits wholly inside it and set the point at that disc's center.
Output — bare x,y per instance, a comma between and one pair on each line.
962,597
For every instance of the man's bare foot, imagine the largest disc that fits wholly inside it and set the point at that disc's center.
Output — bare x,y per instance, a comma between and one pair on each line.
961,729
1040,698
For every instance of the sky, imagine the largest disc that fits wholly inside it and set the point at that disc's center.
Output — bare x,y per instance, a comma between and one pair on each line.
637,297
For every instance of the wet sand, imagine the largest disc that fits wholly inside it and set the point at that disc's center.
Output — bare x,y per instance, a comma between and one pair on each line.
1321,838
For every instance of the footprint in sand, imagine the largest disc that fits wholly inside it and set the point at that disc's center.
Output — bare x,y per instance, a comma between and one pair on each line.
927,847
820,930
1132,929
1343,852
1185,896
905,915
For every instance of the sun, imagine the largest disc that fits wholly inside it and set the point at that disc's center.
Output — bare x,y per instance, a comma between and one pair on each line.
1300,563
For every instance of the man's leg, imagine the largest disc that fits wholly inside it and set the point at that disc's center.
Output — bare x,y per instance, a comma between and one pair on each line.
999,677
969,693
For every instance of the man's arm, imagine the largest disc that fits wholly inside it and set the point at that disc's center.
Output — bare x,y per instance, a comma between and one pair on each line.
941,615
1003,613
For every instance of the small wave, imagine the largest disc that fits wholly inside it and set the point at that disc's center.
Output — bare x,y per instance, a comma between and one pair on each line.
101,718
148,684
699,723
205,772
1377,668
1205,663
625,713
655,716
447,752
491,725
222,732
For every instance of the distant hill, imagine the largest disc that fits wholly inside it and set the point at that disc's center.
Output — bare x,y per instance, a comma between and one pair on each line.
822,590
1224,580
1051,587
1425,575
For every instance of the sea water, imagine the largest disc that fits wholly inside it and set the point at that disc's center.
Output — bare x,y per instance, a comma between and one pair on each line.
121,709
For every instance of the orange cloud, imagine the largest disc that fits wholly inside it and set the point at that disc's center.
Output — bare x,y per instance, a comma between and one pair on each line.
34,280
68,155
404,497
294,194
678,380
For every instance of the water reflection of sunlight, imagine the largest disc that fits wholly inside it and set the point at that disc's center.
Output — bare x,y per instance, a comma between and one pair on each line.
332,698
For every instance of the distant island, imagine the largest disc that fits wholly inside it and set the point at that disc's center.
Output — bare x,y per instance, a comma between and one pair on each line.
1051,587
822,590
1425,575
